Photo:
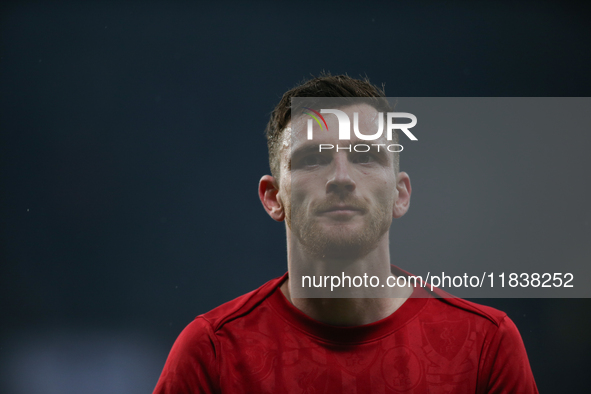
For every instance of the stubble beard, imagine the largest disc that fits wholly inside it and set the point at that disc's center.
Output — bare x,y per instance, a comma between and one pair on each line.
340,241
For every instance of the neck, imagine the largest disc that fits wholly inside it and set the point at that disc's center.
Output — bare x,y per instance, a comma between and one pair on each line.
342,306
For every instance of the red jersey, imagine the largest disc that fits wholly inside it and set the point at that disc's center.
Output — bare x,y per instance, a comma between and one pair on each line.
261,343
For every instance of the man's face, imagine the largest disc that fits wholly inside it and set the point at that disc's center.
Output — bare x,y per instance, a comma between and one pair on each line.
338,204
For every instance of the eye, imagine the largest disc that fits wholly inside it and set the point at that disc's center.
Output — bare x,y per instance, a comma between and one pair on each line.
363,158
314,160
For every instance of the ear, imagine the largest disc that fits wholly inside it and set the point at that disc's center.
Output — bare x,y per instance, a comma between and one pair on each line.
268,193
404,191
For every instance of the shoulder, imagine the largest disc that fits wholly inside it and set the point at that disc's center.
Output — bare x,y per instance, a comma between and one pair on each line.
469,308
200,333
192,365
503,363
443,305
239,307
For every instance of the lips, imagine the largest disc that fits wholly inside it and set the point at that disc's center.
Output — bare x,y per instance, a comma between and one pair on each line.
335,205
341,208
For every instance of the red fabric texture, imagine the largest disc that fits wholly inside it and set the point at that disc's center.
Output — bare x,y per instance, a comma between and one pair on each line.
261,343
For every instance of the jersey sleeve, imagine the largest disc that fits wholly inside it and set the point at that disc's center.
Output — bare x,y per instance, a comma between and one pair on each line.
506,367
191,366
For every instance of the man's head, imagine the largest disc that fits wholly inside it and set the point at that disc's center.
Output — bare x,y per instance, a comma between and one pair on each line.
337,86
336,203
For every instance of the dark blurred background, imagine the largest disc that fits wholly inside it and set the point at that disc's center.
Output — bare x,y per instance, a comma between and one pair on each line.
132,142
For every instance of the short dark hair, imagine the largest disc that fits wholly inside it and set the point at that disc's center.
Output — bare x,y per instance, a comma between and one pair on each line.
325,85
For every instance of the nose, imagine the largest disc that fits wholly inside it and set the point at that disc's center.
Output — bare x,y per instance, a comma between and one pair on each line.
340,180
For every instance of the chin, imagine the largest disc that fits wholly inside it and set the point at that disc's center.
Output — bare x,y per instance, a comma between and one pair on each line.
339,240
346,243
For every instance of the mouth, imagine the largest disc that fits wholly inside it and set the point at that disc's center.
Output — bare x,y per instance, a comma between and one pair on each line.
341,209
